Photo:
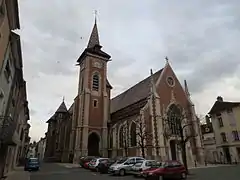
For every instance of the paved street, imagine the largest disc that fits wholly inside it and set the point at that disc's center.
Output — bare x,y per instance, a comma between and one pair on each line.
59,172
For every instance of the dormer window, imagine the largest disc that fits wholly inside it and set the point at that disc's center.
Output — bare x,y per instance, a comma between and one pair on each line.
95,82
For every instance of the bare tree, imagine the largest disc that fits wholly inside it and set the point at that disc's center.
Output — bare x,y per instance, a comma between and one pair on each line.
177,124
142,136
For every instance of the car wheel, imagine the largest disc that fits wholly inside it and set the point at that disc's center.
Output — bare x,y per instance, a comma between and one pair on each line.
183,175
122,172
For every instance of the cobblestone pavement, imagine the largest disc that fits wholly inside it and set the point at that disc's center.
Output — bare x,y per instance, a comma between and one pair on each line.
66,172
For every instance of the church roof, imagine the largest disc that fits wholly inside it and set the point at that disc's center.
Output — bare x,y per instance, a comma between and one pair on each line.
51,118
134,94
108,84
94,37
93,46
62,108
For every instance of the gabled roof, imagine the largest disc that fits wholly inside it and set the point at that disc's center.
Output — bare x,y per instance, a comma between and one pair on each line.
222,106
108,85
62,108
134,94
51,118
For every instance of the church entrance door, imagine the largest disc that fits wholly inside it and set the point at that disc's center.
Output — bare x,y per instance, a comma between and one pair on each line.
93,144
173,149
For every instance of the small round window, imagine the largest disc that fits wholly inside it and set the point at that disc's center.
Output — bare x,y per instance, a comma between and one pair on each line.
170,81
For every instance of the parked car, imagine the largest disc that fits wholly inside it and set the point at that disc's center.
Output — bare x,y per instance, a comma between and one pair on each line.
32,164
84,161
123,166
142,166
104,165
167,170
93,164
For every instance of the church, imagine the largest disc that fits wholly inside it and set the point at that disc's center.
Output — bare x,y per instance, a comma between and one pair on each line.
134,123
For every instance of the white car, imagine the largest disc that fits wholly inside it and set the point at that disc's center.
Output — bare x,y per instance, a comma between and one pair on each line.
123,166
139,167
93,164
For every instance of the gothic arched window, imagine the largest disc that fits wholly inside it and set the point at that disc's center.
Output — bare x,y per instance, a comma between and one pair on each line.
174,119
121,137
95,82
111,139
133,134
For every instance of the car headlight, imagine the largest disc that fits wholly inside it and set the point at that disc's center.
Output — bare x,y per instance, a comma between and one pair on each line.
150,173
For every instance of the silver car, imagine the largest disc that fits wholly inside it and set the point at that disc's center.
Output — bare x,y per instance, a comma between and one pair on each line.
139,167
123,166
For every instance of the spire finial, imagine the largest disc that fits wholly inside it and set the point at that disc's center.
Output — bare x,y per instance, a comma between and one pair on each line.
151,72
166,58
94,38
95,16
63,98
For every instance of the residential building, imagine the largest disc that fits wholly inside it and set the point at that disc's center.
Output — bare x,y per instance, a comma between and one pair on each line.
95,124
225,117
209,142
40,149
14,112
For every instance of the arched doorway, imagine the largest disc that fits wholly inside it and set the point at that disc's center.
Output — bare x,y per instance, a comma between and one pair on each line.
173,149
93,144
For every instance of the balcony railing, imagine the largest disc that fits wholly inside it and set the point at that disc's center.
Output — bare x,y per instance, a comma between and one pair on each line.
7,129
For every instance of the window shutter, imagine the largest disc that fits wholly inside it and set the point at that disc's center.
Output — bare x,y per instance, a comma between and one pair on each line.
233,135
230,137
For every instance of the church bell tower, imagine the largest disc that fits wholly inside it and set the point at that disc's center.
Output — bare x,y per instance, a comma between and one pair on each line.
93,99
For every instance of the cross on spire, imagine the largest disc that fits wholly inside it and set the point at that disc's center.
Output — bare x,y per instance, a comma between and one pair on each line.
95,18
94,37
166,58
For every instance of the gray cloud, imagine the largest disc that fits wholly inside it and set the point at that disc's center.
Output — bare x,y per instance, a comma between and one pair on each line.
200,38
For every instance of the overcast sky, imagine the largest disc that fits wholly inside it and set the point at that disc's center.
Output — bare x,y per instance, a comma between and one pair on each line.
200,37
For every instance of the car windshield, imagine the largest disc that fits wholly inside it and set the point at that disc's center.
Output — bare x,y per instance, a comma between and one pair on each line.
120,161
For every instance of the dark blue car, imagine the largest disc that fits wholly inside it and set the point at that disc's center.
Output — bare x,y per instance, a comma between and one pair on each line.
32,164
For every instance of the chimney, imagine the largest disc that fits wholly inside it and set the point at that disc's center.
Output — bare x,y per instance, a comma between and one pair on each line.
207,118
220,99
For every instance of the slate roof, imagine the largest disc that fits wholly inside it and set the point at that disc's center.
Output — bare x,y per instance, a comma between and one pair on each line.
70,110
62,108
134,94
94,46
51,118
94,37
222,106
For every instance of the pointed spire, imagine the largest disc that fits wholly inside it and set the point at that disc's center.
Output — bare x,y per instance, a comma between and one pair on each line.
62,108
186,88
94,37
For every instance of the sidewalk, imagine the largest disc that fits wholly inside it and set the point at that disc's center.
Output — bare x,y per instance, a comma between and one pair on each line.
18,174
211,166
